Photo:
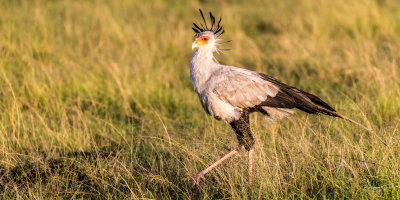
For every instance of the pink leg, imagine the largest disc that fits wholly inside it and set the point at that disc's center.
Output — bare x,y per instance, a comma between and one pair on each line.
250,165
196,179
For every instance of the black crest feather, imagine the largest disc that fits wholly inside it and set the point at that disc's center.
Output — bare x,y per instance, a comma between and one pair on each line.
215,27
195,30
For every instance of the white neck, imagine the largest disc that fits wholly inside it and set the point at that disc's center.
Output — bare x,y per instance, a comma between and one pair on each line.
202,66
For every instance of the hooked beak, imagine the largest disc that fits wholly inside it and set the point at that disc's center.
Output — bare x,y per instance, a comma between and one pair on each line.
198,42
194,45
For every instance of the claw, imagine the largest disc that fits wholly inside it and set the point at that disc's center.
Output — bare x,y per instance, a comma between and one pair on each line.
195,182
196,179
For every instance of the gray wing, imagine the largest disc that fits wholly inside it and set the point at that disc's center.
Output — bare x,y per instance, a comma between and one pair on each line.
241,88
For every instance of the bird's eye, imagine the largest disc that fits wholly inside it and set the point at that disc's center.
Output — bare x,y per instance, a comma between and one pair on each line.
205,39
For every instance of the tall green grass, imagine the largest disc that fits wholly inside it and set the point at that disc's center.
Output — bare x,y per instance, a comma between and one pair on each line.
96,100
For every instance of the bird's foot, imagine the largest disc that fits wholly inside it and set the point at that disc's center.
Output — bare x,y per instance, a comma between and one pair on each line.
196,179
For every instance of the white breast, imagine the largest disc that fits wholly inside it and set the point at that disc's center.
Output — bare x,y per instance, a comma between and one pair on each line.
217,108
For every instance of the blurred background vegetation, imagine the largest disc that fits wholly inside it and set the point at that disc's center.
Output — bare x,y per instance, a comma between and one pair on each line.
96,100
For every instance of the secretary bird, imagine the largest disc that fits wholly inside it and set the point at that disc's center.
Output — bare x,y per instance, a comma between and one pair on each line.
230,93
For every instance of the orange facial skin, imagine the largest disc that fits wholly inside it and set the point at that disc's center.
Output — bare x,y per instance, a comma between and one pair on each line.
202,40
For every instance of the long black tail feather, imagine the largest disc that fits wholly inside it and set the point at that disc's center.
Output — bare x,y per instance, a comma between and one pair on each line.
291,97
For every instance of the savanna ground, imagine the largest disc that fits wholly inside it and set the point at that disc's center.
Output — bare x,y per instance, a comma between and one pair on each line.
96,100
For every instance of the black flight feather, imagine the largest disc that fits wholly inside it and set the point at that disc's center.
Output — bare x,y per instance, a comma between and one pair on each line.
291,97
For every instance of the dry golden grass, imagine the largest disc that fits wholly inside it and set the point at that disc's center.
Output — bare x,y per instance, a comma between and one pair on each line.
96,100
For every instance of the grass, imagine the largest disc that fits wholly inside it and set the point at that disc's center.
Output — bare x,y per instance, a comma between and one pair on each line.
96,100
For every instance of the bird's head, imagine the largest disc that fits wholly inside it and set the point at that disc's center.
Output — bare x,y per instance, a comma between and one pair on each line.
207,37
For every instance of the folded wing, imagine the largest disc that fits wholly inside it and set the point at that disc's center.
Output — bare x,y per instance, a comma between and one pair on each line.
242,88
247,89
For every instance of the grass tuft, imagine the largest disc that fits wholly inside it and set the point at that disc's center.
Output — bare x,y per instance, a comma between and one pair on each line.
96,100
